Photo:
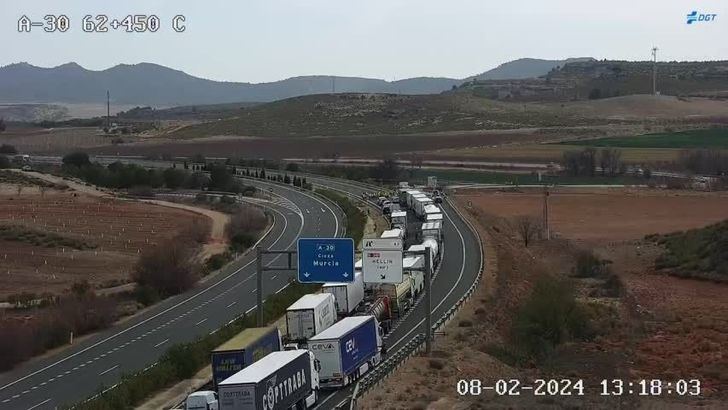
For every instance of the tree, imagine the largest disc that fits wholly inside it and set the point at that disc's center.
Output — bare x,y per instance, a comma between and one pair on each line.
8,149
580,163
610,161
4,162
174,178
527,227
220,178
77,159
386,170
595,94
169,268
292,166
2,125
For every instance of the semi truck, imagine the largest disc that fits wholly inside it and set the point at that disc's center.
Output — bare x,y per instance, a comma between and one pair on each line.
420,204
434,218
434,250
432,209
413,199
281,380
431,230
310,315
347,295
347,350
379,308
398,219
395,233
243,350
399,294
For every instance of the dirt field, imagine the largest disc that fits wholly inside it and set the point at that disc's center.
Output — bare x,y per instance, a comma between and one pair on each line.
661,327
118,230
54,140
601,216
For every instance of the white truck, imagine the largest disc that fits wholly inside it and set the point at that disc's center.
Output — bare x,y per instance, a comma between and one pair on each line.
431,230
413,199
395,233
420,204
347,295
347,350
413,266
202,400
399,294
310,315
434,250
281,380
398,219
434,218
432,209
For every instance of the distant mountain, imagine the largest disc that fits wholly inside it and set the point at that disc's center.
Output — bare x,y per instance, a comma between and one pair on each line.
525,68
152,84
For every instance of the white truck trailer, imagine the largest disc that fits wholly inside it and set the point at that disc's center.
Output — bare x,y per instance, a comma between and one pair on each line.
281,380
398,219
347,295
395,233
311,314
347,350
420,204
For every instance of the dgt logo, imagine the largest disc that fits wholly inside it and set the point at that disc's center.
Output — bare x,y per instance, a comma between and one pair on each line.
695,16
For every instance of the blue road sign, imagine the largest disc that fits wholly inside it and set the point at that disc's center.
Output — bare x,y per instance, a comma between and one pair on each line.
322,260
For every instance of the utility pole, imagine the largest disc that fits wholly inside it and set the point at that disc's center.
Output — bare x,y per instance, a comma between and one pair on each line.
108,110
654,70
546,228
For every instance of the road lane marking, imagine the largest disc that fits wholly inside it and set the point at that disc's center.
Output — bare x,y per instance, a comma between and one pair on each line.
39,404
201,322
231,304
162,342
108,370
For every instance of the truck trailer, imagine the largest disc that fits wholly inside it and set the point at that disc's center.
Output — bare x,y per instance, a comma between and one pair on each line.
241,351
347,350
395,233
420,204
310,315
280,380
347,295
398,219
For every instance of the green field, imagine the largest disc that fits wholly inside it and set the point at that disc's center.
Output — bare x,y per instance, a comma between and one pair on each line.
706,138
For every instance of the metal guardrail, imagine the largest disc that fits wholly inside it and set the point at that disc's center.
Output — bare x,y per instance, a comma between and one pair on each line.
414,345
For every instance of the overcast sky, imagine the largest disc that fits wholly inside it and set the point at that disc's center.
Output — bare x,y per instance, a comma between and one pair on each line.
267,40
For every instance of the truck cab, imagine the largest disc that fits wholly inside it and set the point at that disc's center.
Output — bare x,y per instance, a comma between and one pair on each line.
202,400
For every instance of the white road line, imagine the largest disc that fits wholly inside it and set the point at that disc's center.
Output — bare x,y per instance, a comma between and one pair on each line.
231,304
323,210
201,322
39,404
162,342
108,370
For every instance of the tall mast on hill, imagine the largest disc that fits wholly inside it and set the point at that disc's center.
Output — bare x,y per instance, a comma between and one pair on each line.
654,70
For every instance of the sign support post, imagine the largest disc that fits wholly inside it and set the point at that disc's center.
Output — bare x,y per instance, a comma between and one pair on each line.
260,269
428,301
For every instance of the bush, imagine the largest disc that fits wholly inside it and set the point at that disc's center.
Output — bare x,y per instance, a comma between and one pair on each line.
168,268
8,149
244,226
4,162
217,261
589,266
549,316
77,159
146,295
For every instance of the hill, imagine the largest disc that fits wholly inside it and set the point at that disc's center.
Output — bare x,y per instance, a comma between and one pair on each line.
372,114
152,84
591,79
701,253
525,68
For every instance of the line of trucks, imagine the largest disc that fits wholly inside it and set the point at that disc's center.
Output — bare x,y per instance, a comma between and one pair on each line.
332,338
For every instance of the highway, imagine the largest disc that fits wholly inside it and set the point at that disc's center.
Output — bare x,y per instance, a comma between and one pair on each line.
98,361
460,266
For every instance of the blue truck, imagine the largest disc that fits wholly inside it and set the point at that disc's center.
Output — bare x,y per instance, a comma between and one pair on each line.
347,350
241,351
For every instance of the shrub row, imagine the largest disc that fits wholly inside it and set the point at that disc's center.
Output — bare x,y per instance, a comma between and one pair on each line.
355,218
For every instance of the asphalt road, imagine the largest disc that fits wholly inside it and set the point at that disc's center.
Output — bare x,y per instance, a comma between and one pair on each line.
460,265
98,361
